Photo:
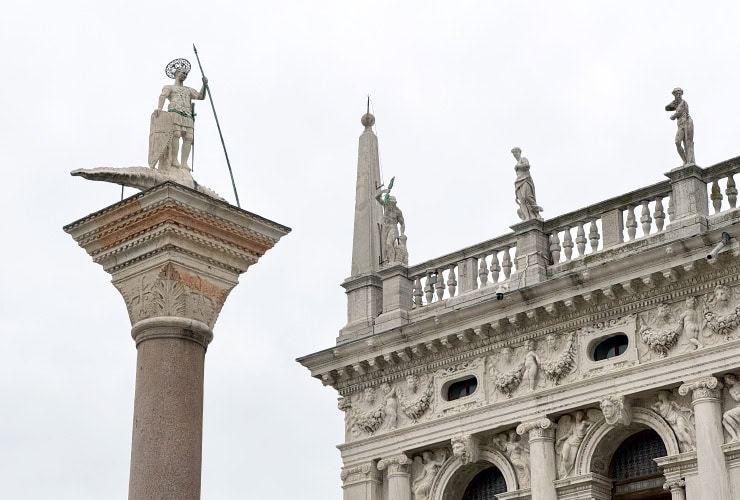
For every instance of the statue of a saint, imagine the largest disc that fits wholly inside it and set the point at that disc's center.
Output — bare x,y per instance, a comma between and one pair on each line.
685,133
524,189
168,128
392,242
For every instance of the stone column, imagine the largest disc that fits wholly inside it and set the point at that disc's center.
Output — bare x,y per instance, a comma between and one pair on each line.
361,482
174,254
676,488
399,476
706,401
532,253
542,466
689,203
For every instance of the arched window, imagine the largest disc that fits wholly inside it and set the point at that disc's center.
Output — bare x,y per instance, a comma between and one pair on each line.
462,388
612,347
485,485
635,473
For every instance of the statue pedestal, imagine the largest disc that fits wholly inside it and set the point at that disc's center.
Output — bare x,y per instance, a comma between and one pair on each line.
174,254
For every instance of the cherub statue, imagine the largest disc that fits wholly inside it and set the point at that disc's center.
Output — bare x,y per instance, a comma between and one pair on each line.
392,242
570,433
685,133
391,405
424,469
517,450
689,323
524,188
731,418
680,418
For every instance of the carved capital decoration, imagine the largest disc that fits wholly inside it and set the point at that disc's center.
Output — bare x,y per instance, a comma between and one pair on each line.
617,410
359,474
676,484
540,429
465,448
397,464
705,388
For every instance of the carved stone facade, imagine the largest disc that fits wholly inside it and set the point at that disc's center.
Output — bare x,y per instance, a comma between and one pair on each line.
546,371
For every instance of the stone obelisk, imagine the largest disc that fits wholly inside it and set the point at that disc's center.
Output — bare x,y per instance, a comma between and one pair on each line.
174,254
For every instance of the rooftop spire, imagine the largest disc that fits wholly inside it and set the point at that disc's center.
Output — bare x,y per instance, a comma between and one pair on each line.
368,212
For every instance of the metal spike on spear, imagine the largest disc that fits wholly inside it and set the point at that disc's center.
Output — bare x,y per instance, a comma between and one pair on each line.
226,154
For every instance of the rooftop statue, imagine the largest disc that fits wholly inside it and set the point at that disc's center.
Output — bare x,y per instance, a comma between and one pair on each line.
524,189
166,130
685,133
392,242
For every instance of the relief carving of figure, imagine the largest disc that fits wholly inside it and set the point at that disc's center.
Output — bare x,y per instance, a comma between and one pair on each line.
392,241
731,418
506,378
413,406
685,133
661,334
531,364
616,410
465,448
557,368
680,418
391,405
524,188
570,433
689,323
365,415
517,450
423,470
720,316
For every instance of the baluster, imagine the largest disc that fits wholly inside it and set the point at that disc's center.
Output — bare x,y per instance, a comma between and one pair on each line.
581,239
439,286
716,197
659,214
482,271
631,223
593,236
567,244
417,292
452,281
506,264
428,288
495,267
645,219
731,191
670,206
555,247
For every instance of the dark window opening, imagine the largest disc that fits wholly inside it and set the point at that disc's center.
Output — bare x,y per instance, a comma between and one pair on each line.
485,485
462,388
611,347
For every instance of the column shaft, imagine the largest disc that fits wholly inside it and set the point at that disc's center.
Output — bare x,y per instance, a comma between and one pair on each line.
709,456
168,412
542,466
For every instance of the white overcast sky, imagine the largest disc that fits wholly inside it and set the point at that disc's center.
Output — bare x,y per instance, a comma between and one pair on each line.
579,86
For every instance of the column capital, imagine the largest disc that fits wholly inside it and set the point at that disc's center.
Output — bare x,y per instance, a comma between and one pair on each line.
359,473
172,251
674,484
703,388
540,429
397,464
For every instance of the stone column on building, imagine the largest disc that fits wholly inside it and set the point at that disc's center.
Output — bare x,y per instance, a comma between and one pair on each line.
362,482
364,287
174,254
706,401
676,487
399,476
542,465
532,253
